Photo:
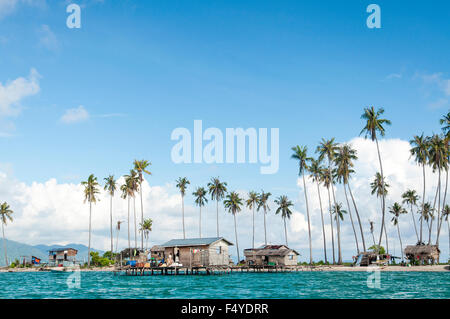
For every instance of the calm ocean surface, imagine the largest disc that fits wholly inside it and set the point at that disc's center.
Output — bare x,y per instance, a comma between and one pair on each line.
236,285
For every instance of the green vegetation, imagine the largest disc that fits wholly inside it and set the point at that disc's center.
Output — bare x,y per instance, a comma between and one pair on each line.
100,261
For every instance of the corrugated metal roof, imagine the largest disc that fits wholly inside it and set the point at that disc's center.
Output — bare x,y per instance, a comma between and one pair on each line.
269,251
194,242
56,250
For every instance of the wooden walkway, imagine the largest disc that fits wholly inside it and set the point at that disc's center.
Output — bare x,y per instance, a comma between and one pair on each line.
208,270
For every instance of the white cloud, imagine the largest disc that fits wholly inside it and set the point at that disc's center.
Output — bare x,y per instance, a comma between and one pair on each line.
75,115
8,7
394,76
52,212
47,39
14,91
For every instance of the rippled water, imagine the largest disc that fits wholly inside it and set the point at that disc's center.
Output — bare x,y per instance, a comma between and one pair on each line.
236,285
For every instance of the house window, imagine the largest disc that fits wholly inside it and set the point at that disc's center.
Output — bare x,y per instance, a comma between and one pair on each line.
219,250
291,257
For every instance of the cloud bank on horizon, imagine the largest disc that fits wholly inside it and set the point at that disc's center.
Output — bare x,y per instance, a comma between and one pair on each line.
54,213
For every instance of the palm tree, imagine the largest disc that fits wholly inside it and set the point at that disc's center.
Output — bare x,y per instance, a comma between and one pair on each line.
316,169
5,216
90,194
445,120
119,222
348,155
134,188
110,187
141,168
182,183
127,192
233,203
146,228
217,190
445,215
373,125
263,202
326,178
283,207
371,231
427,214
300,154
438,161
200,200
420,151
379,187
397,210
344,163
251,203
339,216
410,197
328,149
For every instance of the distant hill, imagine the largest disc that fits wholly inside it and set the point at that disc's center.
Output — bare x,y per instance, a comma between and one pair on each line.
17,250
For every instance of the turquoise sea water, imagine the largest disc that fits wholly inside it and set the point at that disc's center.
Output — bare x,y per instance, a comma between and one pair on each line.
236,285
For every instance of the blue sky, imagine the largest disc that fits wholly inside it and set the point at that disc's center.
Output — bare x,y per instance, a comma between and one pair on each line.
304,67
143,68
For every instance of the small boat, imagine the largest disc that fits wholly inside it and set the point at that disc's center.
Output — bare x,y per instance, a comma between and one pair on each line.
62,269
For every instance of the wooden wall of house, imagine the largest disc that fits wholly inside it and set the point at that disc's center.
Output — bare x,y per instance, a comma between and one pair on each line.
219,254
213,255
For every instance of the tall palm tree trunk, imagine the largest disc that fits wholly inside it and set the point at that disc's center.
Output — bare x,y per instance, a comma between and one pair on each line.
414,222
400,238
89,245
309,222
423,203
117,241
285,231
200,223
383,199
128,224
373,238
331,223
217,216
443,203
235,233
253,217
335,205
323,225
142,214
265,228
338,226
182,213
351,218
357,216
439,214
135,223
110,225
434,207
4,245
386,238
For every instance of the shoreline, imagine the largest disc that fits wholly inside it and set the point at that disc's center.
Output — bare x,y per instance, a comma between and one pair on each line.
328,268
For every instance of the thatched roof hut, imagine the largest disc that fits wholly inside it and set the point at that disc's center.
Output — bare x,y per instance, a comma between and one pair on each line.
429,253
